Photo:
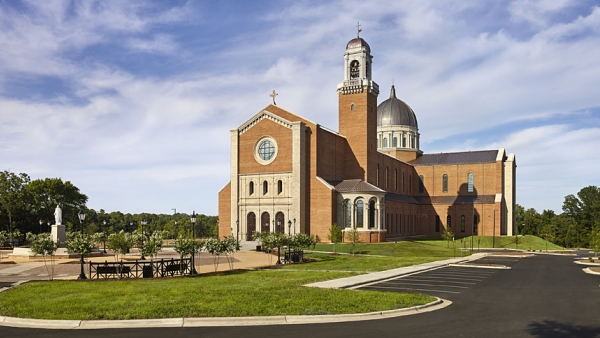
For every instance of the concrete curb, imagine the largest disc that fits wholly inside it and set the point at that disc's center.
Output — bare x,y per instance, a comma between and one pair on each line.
218,321
586,263
590,272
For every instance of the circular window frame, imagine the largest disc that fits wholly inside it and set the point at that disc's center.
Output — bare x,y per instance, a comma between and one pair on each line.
257,146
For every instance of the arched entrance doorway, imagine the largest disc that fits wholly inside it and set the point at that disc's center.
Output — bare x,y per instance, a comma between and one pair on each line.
251,225
265,220
280,223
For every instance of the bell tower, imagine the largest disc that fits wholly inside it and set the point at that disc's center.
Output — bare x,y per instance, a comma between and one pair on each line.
357,96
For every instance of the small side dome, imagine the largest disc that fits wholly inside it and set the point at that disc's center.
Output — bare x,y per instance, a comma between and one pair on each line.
357,43
394,112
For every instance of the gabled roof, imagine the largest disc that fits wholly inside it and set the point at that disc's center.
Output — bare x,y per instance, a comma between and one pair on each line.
481,156
356,185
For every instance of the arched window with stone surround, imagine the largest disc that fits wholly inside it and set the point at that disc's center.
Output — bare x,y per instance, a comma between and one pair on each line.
347,213
470,182
265,222
385,142
403,141
371,213
265,187
279,187
360,211
251,188
445,183
395,142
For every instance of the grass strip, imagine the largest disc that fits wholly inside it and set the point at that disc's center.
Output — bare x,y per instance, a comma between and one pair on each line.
244,293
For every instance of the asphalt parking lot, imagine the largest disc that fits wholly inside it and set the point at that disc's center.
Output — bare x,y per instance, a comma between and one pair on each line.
446,282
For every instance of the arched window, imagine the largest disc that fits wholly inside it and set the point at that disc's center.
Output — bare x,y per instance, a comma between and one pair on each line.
421,184
470,182
387,177
403,141
348,213
251,224
352,106
371,214
445,183
251,188
402,181
437,223
385,143
395,142
462,223
360,209
279,187
449,221
265,187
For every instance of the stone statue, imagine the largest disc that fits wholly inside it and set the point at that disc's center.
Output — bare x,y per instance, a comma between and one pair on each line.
58,215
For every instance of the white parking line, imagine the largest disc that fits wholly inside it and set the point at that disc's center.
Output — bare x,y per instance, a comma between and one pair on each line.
445,286
425,280
427,290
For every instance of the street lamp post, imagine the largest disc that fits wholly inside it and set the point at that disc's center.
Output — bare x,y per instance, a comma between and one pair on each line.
193,219
144,222
104,236
290,228
237,233
279,247
81,216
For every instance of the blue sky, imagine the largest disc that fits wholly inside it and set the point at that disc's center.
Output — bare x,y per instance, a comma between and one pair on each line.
133,101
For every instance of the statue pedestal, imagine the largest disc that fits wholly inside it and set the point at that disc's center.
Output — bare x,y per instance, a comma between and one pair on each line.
58,233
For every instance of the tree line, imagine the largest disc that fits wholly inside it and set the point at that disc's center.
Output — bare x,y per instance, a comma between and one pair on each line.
577,226
27,206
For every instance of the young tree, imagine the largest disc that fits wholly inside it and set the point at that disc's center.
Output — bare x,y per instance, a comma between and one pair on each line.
353,237
120,243
44,245
153,243
448,235
231,247
81,243
188,246
216,247
335,235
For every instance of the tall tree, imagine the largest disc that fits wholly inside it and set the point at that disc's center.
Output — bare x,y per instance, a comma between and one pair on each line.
49,192
584,209
13,194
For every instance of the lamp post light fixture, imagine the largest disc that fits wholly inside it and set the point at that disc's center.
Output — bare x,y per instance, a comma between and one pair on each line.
144,222
193,219
290,228
81,216
41,226
49,227
294,226
267,226
104,222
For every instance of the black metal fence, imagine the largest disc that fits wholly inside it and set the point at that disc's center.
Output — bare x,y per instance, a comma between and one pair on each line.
143,269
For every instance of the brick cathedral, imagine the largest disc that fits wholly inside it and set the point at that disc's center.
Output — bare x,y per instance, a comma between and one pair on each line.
291,175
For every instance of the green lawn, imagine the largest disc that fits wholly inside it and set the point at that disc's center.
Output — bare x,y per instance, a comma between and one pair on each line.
249,293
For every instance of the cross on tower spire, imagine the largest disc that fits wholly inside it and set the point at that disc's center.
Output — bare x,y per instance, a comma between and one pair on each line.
272,95
358,28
